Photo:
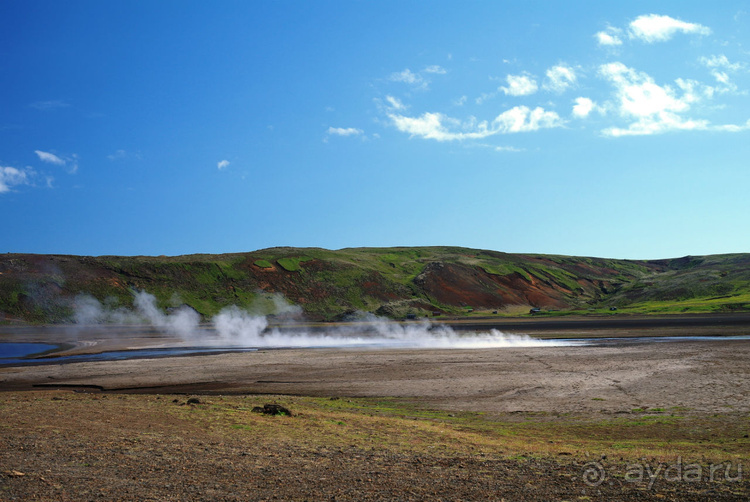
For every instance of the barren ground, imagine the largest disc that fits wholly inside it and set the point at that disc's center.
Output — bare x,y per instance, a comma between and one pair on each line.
512,423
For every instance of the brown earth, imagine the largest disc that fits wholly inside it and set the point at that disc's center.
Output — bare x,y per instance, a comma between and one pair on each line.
63,446
60,442
457,284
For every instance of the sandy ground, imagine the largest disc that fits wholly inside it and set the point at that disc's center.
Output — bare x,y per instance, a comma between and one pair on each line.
704,376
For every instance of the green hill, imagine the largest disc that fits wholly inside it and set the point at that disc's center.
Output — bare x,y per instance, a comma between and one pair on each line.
393,282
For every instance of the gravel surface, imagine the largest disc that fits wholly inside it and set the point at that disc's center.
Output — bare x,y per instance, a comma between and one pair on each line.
63,446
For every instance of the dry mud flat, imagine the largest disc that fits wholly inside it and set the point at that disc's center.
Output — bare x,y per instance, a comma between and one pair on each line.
82,434
705,377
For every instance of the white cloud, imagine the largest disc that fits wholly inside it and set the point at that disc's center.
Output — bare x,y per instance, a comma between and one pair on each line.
522,119
443,128
733,127
222,164
721,61
344,131
408,77
69,162
520,85
10,177
560,78
437,69
649,107
460,101
417,80
395,103
692,90
428,126
50,158
720,66
655,28
610,37
583,107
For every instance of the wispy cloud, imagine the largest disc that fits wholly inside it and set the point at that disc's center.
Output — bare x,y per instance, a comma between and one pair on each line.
721,61
408,77
520,85
508,149
609,37
652,28
123,155
733,127
560,78
440,127
69,162
484,97
222,164
50,158
118,155
437,69
49,105
417,80
344,131
11,177
720,68
395,103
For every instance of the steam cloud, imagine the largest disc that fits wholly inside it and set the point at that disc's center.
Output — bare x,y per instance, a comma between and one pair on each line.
236,327
184,322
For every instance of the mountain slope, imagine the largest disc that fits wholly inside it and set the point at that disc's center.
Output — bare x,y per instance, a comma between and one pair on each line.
388,281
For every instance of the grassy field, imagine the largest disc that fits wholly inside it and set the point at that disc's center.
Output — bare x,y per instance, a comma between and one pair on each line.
392,282
401,426
398,425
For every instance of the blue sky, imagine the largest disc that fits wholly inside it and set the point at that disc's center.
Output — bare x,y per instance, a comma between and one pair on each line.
612,129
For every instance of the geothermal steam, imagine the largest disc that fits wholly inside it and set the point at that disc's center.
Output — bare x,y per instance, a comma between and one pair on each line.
236,327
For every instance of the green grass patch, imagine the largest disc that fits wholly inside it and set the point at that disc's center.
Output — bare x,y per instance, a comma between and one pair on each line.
400,425
393,426
293,264
729,303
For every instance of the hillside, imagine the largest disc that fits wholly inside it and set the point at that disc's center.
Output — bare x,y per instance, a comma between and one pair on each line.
392,282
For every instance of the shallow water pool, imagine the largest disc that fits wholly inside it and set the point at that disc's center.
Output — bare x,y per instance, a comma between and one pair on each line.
16,353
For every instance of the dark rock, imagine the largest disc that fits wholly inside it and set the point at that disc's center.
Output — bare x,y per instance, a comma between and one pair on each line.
193,400
272,409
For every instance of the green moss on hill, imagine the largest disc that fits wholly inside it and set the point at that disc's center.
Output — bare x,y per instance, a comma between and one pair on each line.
330,284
